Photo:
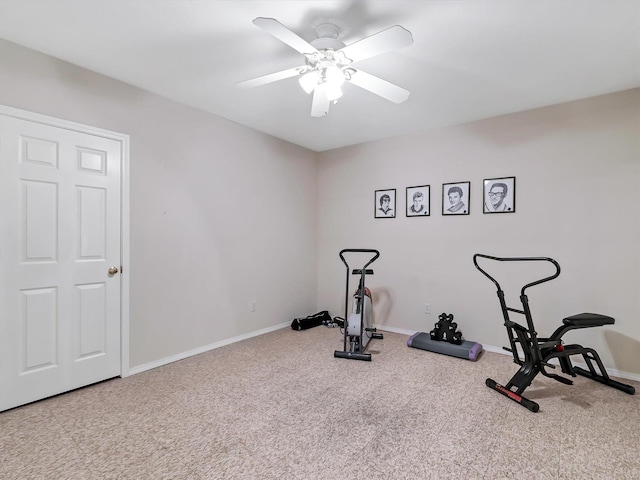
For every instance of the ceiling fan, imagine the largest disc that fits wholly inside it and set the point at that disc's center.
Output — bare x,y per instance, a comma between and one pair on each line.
329,63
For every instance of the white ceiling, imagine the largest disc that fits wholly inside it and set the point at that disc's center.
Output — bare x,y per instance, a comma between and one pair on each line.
471,59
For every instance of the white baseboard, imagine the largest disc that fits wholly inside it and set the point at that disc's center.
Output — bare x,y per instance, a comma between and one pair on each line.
401,331
206,348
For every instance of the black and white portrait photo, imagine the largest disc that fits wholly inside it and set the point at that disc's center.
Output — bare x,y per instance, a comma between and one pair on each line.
418,201
499,195
455,198
385,203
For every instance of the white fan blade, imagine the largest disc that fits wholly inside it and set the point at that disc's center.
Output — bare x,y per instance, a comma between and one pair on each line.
320,103
382,42
282,33
380,87
272,77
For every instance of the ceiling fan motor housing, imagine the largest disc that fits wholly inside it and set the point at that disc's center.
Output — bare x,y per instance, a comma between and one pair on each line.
327,34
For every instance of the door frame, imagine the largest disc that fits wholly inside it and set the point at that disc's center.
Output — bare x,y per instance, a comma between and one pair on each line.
124,212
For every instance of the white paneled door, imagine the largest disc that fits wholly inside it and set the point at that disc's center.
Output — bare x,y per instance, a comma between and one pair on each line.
60,259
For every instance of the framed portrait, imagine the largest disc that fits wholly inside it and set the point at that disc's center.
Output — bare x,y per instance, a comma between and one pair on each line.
418,201
385,203
499,195
456,198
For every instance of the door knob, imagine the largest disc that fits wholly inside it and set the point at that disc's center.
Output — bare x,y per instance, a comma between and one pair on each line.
113,271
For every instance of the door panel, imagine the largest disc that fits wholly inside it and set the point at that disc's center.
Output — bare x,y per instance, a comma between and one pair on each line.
60,206
92,231
91,328
39,219
39,329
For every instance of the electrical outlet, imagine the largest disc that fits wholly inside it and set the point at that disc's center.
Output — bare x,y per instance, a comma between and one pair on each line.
254,306
427,308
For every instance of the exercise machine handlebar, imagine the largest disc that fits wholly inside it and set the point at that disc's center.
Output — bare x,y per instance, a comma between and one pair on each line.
517,259
359,250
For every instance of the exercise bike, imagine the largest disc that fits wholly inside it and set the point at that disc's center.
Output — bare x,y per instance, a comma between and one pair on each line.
358,329
538,351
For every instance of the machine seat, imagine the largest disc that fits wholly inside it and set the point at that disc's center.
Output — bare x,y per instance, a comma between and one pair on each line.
588,320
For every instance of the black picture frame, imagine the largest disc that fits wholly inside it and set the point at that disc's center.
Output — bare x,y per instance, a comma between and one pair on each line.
499,195
456,198
418,201
379,199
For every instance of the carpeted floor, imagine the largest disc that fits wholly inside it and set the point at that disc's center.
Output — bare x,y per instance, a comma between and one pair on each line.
280,406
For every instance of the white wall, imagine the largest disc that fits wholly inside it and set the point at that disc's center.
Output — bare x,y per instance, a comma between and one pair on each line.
577,169
220,215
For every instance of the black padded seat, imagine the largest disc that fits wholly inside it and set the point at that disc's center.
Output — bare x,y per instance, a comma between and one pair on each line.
588,320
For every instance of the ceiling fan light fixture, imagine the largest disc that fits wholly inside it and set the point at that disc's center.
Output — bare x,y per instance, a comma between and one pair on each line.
309,81
333,75
332,91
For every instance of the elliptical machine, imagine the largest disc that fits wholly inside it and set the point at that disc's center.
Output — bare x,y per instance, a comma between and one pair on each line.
358,329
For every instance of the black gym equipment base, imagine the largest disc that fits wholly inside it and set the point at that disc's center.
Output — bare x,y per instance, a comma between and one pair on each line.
358,355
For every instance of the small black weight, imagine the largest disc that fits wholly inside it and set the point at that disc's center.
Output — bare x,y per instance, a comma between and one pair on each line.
445,330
